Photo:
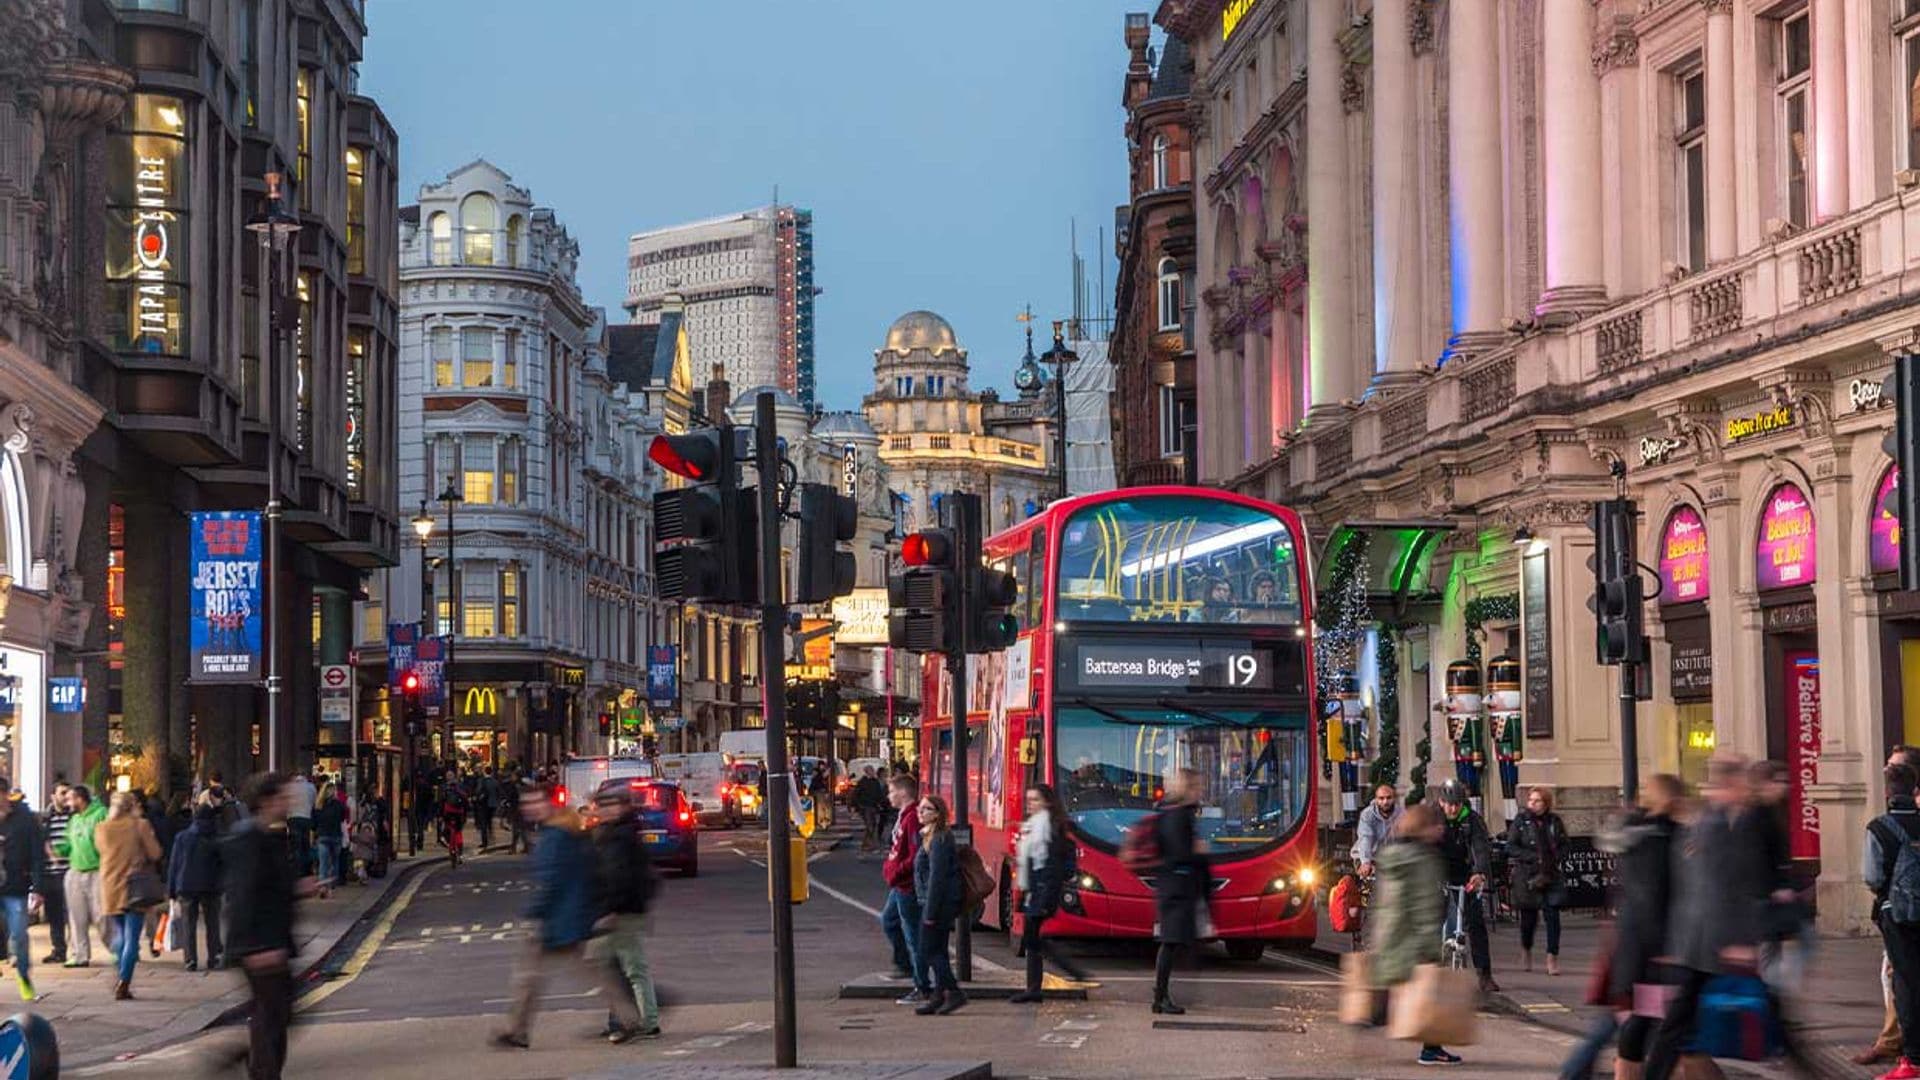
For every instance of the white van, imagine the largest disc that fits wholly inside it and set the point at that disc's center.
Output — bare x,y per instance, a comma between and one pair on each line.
706,780
580,777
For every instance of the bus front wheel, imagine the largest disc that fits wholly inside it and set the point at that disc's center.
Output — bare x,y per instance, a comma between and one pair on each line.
1244,950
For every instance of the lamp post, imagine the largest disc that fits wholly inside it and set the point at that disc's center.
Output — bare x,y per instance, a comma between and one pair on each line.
423,528
275,228
1060,356
451,496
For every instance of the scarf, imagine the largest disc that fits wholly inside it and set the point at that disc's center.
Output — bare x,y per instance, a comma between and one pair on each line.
1035,834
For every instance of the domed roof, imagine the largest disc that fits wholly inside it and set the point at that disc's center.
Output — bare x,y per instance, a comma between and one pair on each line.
844,423
781,399
920,330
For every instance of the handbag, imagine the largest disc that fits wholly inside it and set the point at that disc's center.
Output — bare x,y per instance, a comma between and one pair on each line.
170,927
1434,1007
1737,1020
144,890
1357,994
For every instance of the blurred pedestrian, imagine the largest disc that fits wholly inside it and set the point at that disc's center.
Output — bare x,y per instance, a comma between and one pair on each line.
1536,844
23,858
52,882
1469,854
900,917
301,798
1409,905
127,848
564,904
626,882
262,883
1046,857
1375,826
1180,884
193,881
486,800
937,885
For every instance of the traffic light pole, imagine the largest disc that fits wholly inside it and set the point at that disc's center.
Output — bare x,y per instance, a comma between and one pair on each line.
773,707
966,535
1629,732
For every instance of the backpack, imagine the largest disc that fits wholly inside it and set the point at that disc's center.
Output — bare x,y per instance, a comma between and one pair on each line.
1902,895
1140,848
975,883
1344,906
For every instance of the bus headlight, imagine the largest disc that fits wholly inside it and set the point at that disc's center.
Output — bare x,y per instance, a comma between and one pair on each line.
1307,877
1086,882
1277,885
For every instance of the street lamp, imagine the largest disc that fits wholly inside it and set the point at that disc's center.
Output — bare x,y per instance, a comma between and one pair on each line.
450,496
423,528
1060,356
275,228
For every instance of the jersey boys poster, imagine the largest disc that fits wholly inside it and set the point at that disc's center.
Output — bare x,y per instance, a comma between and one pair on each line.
226,597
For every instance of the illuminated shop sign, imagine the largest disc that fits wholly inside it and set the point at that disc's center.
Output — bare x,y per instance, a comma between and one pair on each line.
1764,422
1683,558
1785,554
1235,11
1883,543
146,252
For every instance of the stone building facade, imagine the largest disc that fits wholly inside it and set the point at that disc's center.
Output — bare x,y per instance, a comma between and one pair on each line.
1554,251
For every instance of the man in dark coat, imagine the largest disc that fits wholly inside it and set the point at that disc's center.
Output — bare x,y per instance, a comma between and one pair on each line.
1468,852
261,885
24,855
194,879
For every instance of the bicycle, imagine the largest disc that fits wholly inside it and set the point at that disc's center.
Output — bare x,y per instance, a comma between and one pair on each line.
1456,952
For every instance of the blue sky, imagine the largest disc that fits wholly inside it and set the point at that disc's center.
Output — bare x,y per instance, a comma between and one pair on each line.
943,148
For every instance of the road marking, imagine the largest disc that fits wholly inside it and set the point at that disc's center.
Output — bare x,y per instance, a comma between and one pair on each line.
363,955
546,997
336,1012
1226,980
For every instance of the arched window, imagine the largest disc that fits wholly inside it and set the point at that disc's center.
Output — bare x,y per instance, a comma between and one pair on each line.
1159,162
514,226
1169,294
479,217
440,228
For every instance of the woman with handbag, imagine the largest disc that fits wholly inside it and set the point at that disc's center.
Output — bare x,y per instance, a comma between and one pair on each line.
1045,857
1536,842
938,885
129,885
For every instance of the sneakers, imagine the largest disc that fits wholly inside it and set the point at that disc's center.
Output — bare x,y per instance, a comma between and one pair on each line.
931,1004
954,999
26,987
1904,1070
73,963
911,997
1434,1055
54,958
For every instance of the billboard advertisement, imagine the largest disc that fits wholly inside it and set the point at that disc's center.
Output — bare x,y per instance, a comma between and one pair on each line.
1785,554
224,624
1683,558
663,676
1883,545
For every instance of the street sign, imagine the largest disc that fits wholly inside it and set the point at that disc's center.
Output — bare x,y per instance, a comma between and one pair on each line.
335,679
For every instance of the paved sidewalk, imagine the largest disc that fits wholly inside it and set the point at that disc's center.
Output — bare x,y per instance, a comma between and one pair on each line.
1836,1009
170,1002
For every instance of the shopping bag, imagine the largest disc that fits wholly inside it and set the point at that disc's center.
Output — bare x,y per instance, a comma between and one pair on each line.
1736,1020
1357,994
1651,999
1434,1007
168,930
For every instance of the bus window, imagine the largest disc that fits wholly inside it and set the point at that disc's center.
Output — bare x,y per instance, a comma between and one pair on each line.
1178,558
1021,567
1034,585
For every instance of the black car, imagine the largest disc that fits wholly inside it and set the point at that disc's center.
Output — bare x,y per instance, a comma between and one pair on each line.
668,826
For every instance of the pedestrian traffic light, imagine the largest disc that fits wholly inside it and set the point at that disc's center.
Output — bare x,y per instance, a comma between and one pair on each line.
990,593
414,713
924,598
826,519
1618,589
704,533
606,724
1905,451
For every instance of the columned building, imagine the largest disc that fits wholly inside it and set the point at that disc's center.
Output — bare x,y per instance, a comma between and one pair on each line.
1559,250
505,403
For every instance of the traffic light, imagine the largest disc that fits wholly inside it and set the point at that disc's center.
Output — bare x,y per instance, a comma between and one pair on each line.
1618,589
704,533
606,724
826,518
1906,451
924,599
990,593
414,713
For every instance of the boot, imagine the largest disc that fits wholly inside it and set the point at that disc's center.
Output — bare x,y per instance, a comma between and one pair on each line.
123,991
952,1002
1526,959
1164,1004
933,1003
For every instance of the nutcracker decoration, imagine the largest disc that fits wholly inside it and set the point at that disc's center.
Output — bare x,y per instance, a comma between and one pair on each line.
1466,716
1503,717
1347,739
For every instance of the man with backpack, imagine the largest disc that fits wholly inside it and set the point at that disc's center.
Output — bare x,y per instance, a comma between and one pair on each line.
1892,871
626,882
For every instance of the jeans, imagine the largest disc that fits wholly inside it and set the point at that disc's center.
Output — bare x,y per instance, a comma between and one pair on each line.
267,1023
933,956
900,919
194,907
1579,1064
1903,952
1530,921
629,944
16,909
129,943
53,899
329,849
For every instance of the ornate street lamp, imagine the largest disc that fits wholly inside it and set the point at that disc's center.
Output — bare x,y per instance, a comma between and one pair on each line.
275,228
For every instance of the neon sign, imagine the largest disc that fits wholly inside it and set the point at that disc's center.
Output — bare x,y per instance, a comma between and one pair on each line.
1235,11
1683,558
1883,543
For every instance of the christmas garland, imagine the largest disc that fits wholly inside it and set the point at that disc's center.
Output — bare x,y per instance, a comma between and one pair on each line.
1386,763
1343,617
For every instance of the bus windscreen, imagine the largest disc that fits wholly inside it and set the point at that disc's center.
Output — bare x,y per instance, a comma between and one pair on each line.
1177,558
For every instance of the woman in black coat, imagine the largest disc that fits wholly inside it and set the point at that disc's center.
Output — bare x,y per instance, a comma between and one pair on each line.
1645,897
1536,842
1045,858
937,885
1180,886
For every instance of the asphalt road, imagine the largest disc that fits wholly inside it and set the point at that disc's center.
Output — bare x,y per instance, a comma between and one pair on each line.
432,976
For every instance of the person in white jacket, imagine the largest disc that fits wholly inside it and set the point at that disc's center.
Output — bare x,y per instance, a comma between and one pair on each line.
1375,826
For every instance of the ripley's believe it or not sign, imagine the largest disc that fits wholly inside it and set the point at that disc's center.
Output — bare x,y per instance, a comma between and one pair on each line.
1785,554
1883,543
1683,558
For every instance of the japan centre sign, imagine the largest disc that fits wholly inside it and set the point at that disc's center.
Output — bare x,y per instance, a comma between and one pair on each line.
224,623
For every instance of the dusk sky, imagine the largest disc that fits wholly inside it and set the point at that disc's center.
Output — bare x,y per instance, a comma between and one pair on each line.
944,149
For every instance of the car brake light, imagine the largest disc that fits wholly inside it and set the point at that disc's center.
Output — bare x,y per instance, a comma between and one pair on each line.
559,796
725,789
685,817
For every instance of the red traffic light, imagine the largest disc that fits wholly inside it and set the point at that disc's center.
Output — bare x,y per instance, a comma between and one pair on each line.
410,683
695,456
933,548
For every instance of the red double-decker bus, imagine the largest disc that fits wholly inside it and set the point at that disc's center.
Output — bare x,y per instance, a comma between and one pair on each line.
1160,627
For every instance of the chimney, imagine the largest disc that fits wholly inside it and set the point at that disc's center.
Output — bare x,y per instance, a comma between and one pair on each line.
719,393
1139,65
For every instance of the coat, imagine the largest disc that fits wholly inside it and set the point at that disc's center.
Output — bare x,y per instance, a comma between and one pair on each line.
1535,845
127,845
1403,922
565,899
77,846
1180,885
905,844
1047,883
622,870
194,868
24,855
1466,847
1645,869
1721,867
259,876
936,880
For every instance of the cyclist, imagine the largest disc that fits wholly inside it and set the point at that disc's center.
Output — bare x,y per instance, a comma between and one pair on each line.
1469,855
1374,828
1404,929
453,816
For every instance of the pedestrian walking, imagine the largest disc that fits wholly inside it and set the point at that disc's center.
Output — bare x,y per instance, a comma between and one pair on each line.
1409,906
329,837
820,790
937,885
870,802
301,797
194,882
900,917
1045,859
565,905
23,856
261,885
51,885
1643,845
626,882
1374,828
1886,1046
83,876
1536,844
1469,855
1892,872
128,849
1180,883
486,801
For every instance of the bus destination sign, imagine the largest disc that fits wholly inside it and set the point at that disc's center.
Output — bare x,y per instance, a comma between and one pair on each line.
1174,666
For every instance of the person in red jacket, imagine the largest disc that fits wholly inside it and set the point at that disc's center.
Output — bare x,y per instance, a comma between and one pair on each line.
900,918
